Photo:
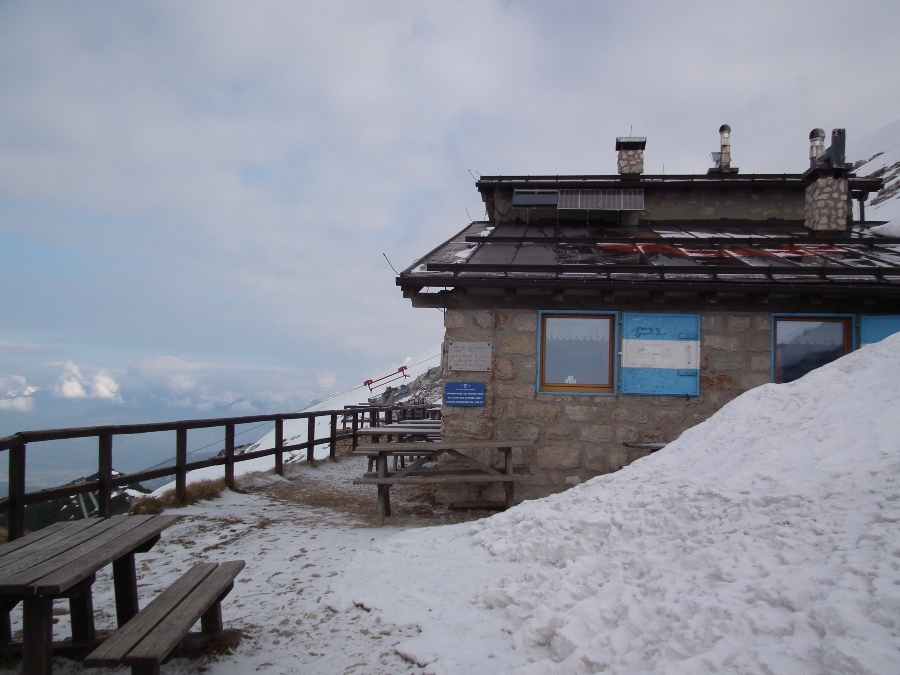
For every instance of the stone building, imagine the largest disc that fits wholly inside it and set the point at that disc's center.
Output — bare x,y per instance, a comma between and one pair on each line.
591,313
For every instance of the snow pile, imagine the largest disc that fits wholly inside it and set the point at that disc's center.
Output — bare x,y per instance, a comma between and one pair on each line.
762,540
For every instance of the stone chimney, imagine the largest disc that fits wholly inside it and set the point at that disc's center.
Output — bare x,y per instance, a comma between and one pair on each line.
631,154
828,207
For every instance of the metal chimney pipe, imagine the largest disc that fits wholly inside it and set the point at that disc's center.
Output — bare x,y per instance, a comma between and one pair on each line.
725,135
816,145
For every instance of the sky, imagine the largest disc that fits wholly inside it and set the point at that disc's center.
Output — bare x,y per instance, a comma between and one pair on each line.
762,540
200,203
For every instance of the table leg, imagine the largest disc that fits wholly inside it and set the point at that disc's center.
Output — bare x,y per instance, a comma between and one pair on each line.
37,634
384,495
125,583
81,613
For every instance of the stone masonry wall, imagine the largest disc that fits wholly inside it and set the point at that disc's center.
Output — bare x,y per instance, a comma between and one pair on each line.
827,204
578,437
740,204
631,161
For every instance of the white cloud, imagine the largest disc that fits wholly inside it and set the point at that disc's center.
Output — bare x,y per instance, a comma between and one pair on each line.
70,382
20,404
74,384
104,387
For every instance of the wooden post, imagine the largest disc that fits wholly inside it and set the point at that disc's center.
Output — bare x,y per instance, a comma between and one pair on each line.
279,447
388,416
332,449
180,464
310,439
125,584
37,623
355,428
229,456
16,492
104,494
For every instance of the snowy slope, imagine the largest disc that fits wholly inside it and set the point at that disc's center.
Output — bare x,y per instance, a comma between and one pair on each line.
762,540
879,153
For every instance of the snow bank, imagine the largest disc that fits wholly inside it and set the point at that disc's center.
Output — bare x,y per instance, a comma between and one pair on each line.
762,540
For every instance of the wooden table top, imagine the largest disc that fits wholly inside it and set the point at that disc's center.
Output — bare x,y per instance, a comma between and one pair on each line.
55,558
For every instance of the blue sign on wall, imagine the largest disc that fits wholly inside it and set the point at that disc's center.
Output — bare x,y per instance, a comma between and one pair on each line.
464,394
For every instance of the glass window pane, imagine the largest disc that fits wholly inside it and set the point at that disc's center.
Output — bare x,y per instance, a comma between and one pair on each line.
803,345
577,351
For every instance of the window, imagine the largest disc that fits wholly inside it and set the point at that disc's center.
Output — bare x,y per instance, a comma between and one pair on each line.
803,344
576,353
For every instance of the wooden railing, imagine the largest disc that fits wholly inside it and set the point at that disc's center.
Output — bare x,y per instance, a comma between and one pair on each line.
14,505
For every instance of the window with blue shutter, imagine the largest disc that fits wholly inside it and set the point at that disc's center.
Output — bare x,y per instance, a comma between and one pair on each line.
661,354
874,329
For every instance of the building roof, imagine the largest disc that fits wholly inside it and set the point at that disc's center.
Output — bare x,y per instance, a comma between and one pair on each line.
565,251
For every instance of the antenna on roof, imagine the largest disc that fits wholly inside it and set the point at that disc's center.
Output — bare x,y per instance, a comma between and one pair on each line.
389,263
473,174
470,217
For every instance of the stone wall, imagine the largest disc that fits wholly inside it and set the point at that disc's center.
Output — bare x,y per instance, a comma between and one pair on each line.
828,204
734,203
631,161
680,203
578,437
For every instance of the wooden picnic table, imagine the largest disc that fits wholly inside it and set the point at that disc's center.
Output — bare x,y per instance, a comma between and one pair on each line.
426,452
61,561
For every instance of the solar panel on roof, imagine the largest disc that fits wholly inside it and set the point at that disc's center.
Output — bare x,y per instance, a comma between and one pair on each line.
602,200
534,198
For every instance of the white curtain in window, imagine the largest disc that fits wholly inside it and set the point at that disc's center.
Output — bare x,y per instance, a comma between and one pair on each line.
821,333
596,330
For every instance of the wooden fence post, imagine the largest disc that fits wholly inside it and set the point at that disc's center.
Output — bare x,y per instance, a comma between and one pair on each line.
332,449
311,439
105,467
180,462
229,456
355,428
16,492
279,447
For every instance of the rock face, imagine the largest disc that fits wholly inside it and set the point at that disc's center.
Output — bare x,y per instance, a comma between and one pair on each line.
426,388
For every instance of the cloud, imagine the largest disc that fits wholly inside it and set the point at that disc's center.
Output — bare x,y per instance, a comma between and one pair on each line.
73,384
20,404
218,181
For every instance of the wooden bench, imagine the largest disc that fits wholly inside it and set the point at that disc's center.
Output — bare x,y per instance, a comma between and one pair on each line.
158,629
425,452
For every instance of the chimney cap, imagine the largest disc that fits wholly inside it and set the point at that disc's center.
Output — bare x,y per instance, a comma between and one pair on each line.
816,133
631,142
724,129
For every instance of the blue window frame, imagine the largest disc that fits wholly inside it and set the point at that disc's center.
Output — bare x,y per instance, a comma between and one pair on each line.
576,352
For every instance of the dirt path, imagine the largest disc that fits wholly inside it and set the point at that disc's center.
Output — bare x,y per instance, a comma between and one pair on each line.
329,485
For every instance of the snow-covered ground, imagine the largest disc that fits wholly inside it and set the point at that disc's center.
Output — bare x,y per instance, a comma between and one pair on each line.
764,540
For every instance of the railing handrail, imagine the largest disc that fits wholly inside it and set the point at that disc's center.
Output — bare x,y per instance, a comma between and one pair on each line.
16,444
152,427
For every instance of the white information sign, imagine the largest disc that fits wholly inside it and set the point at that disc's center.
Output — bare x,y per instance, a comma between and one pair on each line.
469,356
